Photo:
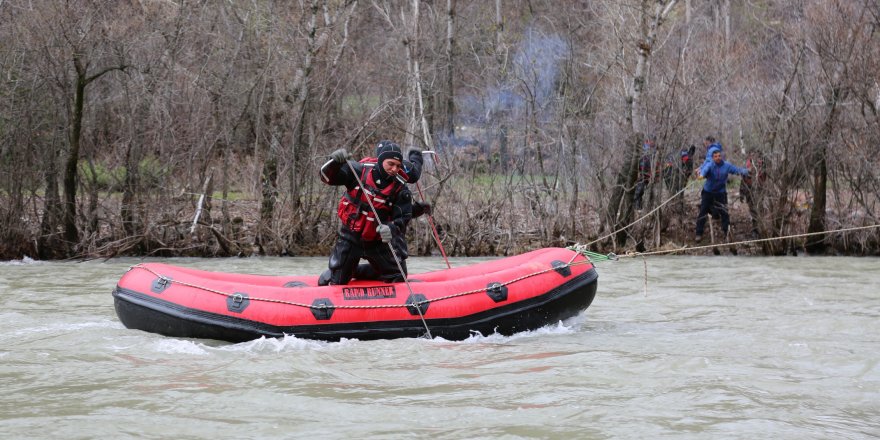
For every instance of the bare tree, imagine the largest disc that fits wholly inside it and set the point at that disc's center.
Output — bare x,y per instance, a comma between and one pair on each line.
651,15
834,56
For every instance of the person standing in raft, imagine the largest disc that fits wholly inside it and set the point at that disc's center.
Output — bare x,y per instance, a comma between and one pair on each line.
411,172
361,235
714,195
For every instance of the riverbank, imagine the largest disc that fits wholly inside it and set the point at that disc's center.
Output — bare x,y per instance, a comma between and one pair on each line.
231,228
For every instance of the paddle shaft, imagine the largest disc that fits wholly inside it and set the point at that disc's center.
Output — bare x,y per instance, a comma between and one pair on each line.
431,217
434,229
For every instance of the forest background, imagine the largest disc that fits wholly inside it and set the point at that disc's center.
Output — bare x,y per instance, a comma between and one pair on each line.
195,127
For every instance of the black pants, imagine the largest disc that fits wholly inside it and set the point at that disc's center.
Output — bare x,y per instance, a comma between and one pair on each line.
715,203
366,271
640,192
347,253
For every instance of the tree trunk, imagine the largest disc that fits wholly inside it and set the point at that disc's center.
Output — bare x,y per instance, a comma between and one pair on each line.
449,130
269,194
130,189
619,211
71,233
303,100
816,244
93,200
501,59
620,207
725,12
48,242
635,116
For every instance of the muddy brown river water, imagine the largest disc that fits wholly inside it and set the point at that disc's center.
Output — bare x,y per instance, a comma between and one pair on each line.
718,347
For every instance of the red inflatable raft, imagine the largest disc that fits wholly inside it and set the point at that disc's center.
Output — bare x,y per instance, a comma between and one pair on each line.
507,295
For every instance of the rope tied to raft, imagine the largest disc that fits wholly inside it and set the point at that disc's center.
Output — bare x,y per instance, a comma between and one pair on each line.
648,214
632,254
416,304
582,248
597,257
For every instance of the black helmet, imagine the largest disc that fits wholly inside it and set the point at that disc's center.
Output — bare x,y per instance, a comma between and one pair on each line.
388,150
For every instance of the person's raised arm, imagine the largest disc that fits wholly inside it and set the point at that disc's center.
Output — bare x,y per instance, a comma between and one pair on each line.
415,162
334,171
737,170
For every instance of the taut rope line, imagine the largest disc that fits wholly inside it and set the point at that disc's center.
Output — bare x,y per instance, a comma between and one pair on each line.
759,240
592,256
634,222
582,248
639,219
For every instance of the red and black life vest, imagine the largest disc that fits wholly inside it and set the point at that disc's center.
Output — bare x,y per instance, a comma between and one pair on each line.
354,206
756,170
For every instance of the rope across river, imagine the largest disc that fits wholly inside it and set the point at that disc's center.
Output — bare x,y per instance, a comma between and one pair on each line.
590,257
582,248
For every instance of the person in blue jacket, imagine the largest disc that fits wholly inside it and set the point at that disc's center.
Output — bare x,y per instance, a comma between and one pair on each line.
714,194
711,146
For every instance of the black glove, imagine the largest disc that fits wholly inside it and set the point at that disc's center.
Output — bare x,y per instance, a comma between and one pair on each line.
340,155
413,151
419,209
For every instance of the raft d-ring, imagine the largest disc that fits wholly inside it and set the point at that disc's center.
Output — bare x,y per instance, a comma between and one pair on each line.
322,308
237,302
160,284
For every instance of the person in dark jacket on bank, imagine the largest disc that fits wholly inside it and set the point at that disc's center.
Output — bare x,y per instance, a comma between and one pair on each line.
714,195
361,234
646,171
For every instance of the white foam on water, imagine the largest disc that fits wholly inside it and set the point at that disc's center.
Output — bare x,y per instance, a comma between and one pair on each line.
551,329
275,345
179,346
292,343
24,261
